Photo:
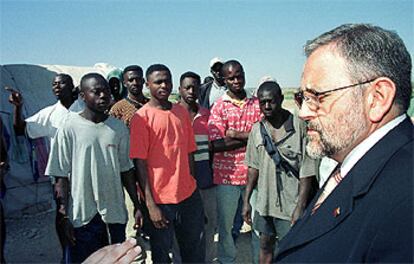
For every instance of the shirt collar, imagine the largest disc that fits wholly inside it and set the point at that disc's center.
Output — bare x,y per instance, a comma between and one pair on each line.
226,97
219,87
287,126
60,105
359,151
202,111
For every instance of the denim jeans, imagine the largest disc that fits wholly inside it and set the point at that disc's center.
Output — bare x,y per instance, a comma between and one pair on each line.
93,236
186,219
227,202
255,242
238,221
210,208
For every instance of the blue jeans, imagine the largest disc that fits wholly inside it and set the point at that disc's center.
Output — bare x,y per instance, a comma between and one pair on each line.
227,202
186,219
255,242
93,236
210,208
238,221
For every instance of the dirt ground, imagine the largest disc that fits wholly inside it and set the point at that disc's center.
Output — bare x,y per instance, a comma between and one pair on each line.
32,239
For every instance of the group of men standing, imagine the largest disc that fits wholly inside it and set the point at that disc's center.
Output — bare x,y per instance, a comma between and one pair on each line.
220,153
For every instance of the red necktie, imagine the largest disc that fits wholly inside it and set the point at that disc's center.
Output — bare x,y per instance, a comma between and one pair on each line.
333,181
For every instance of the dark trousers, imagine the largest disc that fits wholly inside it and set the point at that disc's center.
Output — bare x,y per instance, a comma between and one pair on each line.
186,219
93,236
59,227
59,230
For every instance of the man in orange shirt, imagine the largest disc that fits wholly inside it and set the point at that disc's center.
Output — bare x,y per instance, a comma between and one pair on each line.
162,142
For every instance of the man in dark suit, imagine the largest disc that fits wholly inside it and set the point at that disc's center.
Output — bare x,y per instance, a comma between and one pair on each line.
355,92
210,92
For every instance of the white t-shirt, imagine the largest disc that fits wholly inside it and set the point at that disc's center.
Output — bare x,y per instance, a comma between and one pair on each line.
93,155
216,92
45,122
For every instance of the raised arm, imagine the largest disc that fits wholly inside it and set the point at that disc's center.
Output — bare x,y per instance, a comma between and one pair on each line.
16,100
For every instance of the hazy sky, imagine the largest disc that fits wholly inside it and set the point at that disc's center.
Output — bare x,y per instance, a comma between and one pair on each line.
265,36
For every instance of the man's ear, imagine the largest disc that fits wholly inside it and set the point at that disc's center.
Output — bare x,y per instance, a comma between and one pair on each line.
82,95
380,98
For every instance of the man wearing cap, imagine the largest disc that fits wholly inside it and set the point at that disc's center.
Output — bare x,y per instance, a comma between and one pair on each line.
210,92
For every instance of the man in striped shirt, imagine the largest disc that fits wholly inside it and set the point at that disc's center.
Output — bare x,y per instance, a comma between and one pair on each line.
189,86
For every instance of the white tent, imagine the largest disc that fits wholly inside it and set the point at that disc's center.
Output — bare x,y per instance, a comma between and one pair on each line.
24,195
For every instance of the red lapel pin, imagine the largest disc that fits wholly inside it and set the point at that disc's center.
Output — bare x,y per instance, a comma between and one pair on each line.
337,211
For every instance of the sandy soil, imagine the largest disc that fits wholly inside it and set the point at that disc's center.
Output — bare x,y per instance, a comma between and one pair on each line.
32,239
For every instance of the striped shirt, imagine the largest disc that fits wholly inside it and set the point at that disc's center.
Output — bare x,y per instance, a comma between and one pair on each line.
204,174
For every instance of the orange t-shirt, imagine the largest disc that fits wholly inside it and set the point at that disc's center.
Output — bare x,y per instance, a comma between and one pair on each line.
164,138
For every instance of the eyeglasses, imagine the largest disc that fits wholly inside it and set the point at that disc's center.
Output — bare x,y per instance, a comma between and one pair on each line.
311,98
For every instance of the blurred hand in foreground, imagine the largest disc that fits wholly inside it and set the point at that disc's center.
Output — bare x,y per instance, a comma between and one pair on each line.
117,253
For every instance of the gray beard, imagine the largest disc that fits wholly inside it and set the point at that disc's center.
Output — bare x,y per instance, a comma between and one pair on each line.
338,135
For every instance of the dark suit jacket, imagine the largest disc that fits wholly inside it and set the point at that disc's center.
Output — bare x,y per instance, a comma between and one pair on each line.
369,216
204,95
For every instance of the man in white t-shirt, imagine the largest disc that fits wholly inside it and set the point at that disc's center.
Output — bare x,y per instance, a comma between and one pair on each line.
46,122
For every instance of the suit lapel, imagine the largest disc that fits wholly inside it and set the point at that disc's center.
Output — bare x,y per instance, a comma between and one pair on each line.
336,208
339,204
